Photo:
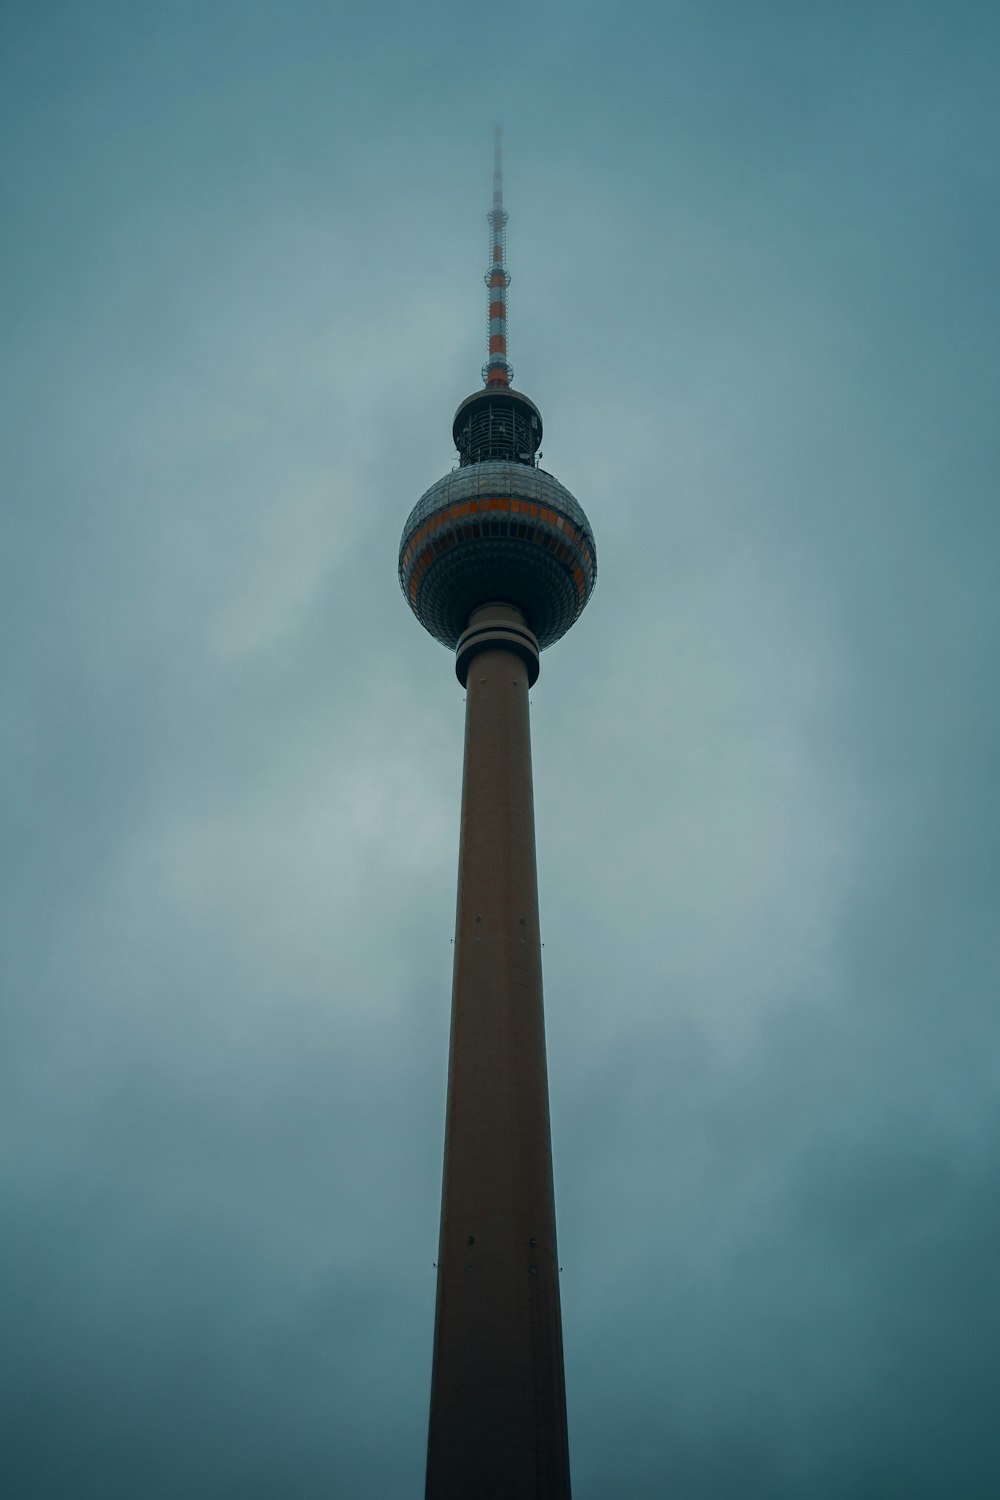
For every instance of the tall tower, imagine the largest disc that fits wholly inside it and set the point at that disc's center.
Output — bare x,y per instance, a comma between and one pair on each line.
497,561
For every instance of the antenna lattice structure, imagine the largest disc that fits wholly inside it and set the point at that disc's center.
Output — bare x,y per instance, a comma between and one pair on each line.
498,370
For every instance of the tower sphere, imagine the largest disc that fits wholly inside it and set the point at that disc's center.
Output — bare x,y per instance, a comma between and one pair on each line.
497,529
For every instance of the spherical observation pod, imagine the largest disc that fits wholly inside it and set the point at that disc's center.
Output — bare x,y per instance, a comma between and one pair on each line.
497,531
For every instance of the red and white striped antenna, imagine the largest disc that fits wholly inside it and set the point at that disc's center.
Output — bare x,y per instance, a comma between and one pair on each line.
497,370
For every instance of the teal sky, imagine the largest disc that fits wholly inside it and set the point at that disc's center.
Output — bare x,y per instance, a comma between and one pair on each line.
754,261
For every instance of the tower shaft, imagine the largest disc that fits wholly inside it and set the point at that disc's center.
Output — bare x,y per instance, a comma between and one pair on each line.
498,1405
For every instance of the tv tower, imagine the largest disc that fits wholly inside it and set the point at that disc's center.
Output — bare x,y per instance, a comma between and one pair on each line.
497,561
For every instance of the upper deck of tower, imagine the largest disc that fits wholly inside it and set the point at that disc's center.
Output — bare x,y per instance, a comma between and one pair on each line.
497,423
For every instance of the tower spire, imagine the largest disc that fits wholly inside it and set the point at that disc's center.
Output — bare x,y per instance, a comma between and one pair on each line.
497,369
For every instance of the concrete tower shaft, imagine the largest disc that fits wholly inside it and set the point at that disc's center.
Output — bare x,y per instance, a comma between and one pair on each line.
498,1404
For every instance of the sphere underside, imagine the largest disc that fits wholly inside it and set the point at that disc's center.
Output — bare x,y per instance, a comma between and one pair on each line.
497,531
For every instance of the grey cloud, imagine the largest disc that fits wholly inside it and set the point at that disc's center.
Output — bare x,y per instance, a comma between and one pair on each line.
243,295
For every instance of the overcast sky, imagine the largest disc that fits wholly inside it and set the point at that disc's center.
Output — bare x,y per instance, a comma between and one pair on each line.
754,260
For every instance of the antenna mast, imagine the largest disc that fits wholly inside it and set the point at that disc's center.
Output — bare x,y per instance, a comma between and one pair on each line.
497,369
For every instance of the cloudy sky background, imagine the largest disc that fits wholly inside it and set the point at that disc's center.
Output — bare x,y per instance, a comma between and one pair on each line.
754,257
